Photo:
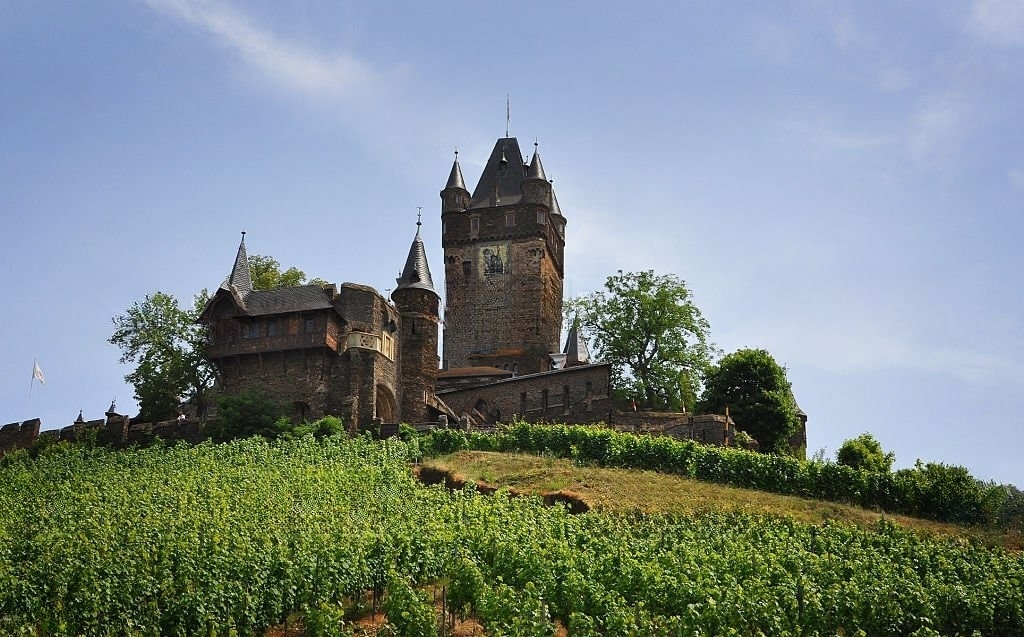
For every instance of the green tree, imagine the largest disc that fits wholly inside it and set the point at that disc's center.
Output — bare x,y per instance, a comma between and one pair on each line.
165,343
267,274
656,339
864,452
759,397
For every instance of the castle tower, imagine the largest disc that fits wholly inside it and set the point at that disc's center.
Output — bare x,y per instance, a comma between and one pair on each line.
503,263
417,304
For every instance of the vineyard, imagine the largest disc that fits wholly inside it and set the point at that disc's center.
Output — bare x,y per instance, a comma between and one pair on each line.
232,539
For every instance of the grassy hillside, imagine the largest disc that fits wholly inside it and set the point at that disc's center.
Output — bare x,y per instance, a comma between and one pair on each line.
233,539
626,491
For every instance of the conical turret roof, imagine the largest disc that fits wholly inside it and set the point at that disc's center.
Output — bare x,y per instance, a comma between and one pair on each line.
240,278
536,170
576,350
416,273
455,179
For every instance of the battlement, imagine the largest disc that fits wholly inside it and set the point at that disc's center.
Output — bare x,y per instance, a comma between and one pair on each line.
115,430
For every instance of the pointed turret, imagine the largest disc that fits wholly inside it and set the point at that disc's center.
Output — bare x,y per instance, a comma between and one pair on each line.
455,179
240,279
536,170
576,350
536,187
416,273
417,303
455,196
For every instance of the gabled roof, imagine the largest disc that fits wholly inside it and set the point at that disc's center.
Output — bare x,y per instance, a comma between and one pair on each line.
504,169
416,273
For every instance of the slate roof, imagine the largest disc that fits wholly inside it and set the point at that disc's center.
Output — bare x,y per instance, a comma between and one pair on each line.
416,273
576,350
240,278
455,179
302,298
536,170
504,169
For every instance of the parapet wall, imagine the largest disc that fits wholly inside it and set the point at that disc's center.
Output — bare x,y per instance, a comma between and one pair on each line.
711,429
116,431
19,435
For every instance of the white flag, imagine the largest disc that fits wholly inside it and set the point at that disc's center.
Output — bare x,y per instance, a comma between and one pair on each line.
37,373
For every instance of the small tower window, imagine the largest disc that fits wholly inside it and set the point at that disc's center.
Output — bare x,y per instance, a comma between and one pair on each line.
510,219
467,267
474,225
310,326
542,217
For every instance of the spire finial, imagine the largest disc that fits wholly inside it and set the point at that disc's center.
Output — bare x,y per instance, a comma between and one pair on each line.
419,215
508,113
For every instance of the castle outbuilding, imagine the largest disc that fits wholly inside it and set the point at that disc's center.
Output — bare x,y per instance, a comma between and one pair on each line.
329,349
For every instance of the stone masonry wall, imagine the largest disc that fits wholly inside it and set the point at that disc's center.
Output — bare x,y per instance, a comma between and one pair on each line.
19,435
574,395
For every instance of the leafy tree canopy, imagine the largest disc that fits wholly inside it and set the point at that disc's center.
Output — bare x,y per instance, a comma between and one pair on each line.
864,452
267,274
656,339
167,344
759,397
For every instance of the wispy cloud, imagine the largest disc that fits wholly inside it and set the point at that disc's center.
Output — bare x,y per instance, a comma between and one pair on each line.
999,22
937,129
287,65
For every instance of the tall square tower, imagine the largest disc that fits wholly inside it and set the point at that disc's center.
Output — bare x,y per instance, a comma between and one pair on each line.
503,261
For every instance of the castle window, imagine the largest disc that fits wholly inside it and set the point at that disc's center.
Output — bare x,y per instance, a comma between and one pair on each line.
467,268
272,328
387,345
544,402
251,330
542,217
310,326
474,225
565,400
522,403
510,219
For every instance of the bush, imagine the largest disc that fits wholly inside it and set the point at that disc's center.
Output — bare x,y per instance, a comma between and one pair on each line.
864,452
245,415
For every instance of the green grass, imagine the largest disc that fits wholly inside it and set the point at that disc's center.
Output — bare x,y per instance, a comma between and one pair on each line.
620,490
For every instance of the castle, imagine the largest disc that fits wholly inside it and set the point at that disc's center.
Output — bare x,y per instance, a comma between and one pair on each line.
346,350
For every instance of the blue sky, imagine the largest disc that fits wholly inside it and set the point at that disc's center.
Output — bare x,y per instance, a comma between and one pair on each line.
840,183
